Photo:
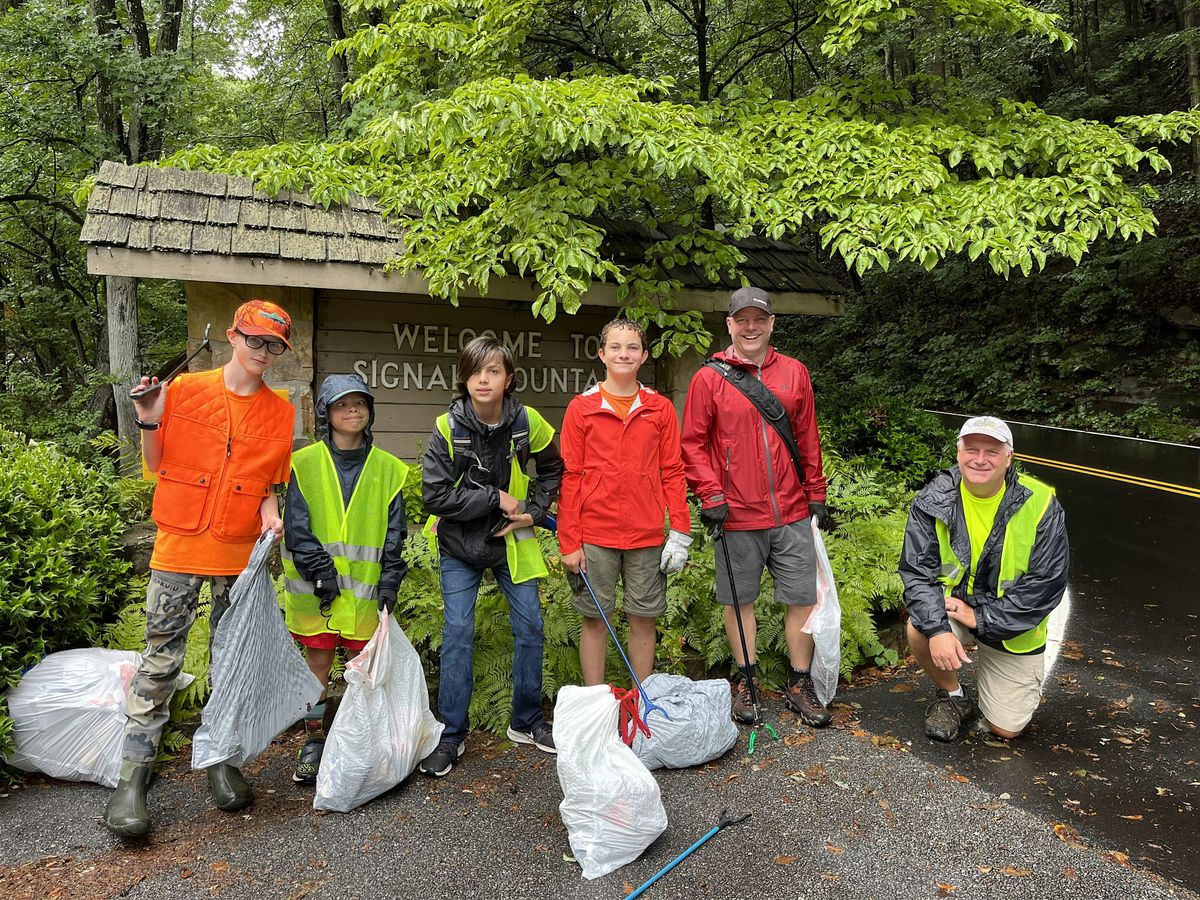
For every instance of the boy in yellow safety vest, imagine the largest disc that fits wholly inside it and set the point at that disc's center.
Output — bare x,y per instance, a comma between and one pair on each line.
474,482
344,531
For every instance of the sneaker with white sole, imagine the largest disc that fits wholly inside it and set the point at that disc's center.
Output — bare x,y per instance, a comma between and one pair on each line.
442,759
541,737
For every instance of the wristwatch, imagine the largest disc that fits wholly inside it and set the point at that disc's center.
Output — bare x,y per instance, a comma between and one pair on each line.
148,426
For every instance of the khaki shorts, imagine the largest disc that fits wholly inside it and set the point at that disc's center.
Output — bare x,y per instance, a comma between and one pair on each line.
1010,684
645,585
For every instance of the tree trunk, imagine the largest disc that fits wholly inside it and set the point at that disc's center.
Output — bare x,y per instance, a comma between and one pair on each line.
121,299
1193,69
338,68
108,107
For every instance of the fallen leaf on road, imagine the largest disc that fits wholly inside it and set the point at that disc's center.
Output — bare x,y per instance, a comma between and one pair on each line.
901,689
1070,873
858,732
797,740
1071,650
954,776
186,873
984,870
993,805
1069,836
885,740
815,772
627,888
831,876
219,868
1132,818
834,849
784,860
1116,856
945,890
1016,872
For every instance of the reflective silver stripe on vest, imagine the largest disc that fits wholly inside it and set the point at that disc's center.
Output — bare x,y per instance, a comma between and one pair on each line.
360,589
951,570
352,552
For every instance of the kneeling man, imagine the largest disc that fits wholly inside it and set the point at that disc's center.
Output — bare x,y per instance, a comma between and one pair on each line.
985,561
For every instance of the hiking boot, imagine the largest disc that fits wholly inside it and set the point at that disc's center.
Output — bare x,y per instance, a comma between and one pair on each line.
441,760
945,716
743,709
126,814
541,737
229,789
802,699
308,761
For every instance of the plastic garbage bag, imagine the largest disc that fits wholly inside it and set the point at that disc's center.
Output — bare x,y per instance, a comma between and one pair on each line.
383,727
700,728
825,625
611,803
68,714
260,682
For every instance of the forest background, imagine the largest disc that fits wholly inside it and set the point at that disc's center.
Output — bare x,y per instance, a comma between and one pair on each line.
1065,310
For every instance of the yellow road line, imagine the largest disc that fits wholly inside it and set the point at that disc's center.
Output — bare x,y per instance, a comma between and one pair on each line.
1112,476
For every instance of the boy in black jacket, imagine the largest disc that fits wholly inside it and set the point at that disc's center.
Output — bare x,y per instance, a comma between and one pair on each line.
475,485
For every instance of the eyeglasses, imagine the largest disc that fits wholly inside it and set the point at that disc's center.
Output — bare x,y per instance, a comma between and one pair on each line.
255,342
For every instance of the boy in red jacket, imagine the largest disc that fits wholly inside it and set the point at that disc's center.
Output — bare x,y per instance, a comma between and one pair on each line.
622,470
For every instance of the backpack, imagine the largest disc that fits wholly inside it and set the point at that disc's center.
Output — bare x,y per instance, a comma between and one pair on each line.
461,453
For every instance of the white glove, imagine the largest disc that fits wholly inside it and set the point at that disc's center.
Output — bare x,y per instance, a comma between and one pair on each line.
675,553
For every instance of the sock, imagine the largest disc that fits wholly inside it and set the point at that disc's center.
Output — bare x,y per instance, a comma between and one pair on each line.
314,721
957,692
747,671
796,675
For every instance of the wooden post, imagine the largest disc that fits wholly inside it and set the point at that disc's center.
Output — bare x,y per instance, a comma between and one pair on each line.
121,300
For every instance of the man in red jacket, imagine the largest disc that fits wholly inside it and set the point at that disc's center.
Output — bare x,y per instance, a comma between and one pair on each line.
752,495
621,472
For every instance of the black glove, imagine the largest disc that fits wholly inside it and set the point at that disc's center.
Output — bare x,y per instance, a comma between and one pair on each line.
713,519
387,600
326,589
820,512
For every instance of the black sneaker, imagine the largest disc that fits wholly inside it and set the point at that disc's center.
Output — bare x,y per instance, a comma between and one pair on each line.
743,708
441,760
802,699
945,716
308,761
541,737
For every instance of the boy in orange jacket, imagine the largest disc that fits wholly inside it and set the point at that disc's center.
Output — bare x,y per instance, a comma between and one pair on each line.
220,442
622,471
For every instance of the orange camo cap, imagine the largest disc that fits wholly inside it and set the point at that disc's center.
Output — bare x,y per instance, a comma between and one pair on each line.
262,317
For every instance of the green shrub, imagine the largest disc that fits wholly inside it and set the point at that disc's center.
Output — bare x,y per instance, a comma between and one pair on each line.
63,574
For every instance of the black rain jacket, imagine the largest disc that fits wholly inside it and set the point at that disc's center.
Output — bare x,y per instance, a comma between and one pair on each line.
469,512
1029,600
310,556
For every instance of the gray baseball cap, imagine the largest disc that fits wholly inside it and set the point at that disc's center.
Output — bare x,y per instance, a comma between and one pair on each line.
750,296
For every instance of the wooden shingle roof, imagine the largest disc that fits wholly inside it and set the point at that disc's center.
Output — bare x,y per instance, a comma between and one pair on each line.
175,211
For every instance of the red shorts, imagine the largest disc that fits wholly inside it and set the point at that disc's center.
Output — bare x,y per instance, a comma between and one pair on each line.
328,640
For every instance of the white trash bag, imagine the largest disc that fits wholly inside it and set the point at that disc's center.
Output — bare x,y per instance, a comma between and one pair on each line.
700,728
383,726
68,714
825,625
260,682
611,803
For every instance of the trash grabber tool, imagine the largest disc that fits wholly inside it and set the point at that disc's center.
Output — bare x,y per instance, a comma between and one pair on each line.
651,706
737,615
205,344
724,822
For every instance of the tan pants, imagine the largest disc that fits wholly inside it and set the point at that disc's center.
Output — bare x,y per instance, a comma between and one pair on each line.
1010,684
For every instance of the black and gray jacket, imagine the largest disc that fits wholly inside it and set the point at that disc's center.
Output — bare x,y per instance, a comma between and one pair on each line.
311,559
1024,604
470,511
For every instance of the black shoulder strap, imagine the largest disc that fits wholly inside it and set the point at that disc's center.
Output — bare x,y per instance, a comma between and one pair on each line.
765,402
460,448
520,437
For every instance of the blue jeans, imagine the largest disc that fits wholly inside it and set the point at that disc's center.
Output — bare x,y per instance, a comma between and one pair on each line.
460,589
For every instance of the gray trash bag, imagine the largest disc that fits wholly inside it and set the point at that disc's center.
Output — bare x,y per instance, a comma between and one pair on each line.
700,728
260,682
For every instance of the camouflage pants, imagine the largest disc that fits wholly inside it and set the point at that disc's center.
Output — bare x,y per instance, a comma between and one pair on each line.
172,599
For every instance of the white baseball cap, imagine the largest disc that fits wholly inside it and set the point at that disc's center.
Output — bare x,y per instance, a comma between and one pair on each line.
989,426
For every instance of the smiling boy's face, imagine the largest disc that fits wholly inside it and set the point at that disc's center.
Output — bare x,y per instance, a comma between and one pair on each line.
350,415
622,352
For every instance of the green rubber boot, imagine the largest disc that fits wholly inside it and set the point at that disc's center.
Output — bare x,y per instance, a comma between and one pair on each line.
229,789
126,814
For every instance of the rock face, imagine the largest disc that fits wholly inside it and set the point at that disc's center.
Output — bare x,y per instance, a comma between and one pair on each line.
137,546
